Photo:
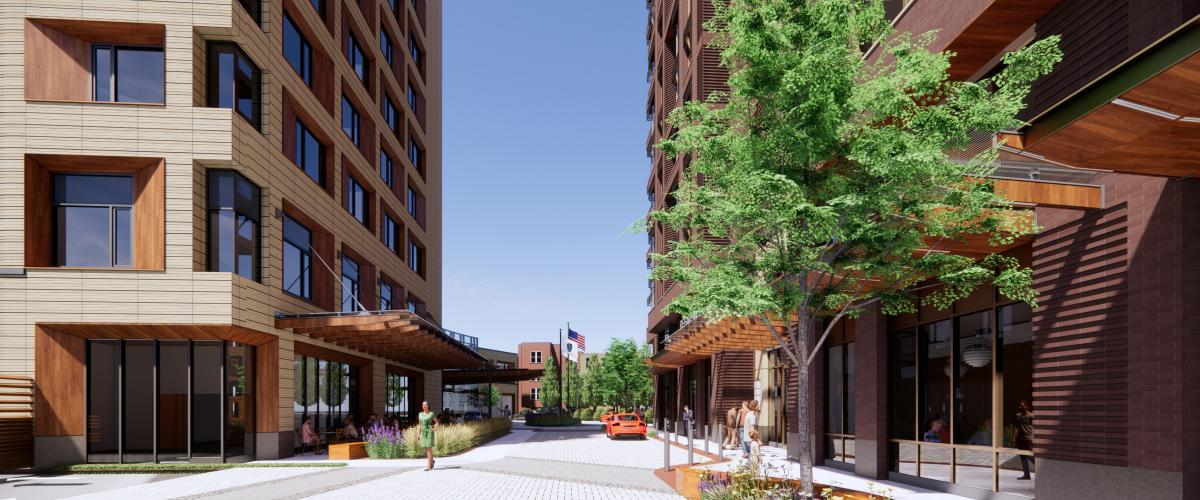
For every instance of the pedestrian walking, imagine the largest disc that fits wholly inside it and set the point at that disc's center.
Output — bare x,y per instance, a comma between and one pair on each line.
429,422
749,425
731,418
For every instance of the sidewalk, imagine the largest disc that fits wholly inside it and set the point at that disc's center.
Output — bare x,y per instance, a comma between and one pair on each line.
777,465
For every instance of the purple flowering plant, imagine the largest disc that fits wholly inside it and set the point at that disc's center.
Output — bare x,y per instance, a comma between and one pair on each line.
384,441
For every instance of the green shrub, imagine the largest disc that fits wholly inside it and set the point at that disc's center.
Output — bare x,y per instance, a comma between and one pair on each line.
649,414
551,420
455,438
384,442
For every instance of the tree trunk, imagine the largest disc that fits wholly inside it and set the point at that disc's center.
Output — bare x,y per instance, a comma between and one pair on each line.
804,404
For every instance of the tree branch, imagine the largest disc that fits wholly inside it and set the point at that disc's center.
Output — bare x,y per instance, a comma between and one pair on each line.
782,343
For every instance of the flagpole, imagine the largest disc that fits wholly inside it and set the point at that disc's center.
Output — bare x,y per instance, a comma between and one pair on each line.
560,380
567,392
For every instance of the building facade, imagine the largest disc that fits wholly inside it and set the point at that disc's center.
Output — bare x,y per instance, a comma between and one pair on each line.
533,356
463,397
196,191
1084,396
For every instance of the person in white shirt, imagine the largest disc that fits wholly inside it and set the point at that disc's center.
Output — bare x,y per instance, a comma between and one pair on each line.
749,425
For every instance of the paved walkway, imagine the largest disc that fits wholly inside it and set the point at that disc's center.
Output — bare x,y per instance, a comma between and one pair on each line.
776,464
530,463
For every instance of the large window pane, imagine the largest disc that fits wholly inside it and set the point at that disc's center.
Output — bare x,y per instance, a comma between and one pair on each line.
936,369
298,402
140,75
350,283
239,402
102,73
221,226
835,389
973,393
902,386
297,259
849,392
233,203
312,392
104,358
173,400
297,50
233,81
83,236
309,153
1014,323
91,189
206,398
138,402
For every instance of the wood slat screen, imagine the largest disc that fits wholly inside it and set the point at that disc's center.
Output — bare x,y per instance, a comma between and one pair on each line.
713,76
16,422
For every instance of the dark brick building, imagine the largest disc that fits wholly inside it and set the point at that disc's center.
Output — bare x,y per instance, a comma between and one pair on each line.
1104,363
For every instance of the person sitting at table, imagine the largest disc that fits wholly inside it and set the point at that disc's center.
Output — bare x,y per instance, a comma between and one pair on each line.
350,430
309,437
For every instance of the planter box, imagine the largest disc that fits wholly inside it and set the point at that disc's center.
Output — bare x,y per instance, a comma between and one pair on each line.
348,451
687,483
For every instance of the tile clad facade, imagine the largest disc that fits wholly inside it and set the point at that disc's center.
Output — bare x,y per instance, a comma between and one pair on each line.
180,292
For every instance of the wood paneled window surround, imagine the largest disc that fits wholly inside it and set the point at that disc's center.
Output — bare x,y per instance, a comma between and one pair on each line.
306,145
313,66
90,61
297,50
234,208
92,211
307,258
234,82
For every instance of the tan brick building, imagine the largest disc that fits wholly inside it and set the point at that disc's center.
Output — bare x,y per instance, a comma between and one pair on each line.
184,185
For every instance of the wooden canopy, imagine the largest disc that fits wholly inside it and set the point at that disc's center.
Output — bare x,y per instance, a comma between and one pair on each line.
700,339
400,336
489,375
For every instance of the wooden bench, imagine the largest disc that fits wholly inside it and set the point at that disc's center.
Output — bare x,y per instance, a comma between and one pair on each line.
348,451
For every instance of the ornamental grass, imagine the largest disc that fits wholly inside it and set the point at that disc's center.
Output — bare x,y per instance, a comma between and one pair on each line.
452,439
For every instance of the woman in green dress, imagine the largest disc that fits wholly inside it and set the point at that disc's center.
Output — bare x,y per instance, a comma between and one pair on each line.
428,421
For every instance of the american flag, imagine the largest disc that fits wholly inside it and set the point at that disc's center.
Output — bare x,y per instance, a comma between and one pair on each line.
578,338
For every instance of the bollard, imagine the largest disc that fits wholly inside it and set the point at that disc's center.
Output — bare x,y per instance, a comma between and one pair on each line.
707,436
666,447
690,445
720,438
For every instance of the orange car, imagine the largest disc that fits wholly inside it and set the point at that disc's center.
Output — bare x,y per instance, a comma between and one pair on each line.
625,424
606,418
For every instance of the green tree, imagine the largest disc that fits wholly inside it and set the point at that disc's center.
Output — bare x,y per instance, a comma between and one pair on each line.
625,378
573,385
592,387
493,396
551,392
822,183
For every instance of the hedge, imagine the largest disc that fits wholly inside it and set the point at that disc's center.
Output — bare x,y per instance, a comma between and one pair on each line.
451,439
182,468
551,420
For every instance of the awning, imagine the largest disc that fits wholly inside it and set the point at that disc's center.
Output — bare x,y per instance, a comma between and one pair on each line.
699,339
486,375
400,336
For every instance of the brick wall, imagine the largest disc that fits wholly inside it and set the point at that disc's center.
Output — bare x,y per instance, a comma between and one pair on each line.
1109,356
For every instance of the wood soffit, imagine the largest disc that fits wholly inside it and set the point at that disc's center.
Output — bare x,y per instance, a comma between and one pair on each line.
400,336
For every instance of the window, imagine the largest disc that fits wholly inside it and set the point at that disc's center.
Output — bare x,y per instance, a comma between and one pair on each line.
253,8
297,259
233,221
356,200
413,97
310,153
535,394
385,296
411,305
839,402
357,58
390,115
233,81
324,391
350,120
414,258
386,167
94,220
412,202
397,405
297,50
414,50
385,46
209,388
319,5
350,281
416,155
535,357
391,234
128,74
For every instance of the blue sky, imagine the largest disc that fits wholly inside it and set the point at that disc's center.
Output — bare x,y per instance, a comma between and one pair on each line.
544,135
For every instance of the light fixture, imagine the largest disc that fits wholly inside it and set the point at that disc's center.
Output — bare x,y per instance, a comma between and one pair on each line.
976,351
1145,109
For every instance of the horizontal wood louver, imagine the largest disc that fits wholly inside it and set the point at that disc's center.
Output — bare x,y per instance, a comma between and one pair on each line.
16,422
733,377
713,76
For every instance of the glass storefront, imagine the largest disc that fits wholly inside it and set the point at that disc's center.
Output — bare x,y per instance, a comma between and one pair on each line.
324,390
950,382
161,400
398,401
839,403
